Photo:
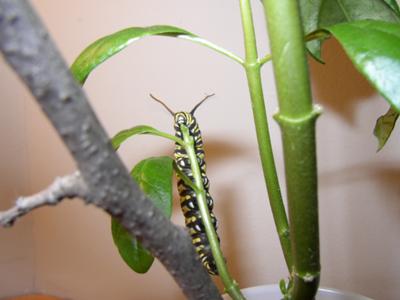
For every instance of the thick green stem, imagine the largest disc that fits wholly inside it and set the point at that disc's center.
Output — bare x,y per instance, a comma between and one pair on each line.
230,284
252,66
297,120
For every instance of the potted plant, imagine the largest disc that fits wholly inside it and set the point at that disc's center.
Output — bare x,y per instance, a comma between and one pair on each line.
368,35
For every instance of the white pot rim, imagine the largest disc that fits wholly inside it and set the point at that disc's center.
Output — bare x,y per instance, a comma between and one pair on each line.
273,292
341,292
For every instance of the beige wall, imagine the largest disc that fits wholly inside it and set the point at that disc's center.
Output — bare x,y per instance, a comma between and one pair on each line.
16,244
68,250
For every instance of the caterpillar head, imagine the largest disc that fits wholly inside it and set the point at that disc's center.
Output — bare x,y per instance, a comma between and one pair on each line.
183,118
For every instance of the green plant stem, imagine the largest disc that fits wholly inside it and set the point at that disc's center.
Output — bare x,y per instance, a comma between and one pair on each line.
214,47
124,135
265,59
185,179
297,118
252,66
230,284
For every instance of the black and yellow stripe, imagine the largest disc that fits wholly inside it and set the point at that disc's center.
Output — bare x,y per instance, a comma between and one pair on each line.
187,195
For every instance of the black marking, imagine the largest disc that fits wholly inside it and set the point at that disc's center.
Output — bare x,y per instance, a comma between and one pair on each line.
187,195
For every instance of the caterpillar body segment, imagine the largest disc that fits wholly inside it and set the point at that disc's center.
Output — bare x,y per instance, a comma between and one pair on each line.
187,195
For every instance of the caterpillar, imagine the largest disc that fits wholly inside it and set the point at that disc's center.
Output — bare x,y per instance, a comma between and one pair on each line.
187,195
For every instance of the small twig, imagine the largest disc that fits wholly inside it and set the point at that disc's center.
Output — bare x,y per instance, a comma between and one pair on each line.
69,186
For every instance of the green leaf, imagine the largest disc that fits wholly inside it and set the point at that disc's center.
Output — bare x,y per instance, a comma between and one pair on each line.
384,127
317,14
309,10
105,47
123,135
335,12
374,48
282,286
154,176
131,250
394,5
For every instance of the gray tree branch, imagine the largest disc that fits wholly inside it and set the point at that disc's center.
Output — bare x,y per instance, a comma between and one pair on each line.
69,186
27,47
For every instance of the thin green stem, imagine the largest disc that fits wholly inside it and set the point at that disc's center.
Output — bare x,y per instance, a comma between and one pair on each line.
230,284
250,44
123,135
168,136
252,66
265,59
214,47
185,179
297,118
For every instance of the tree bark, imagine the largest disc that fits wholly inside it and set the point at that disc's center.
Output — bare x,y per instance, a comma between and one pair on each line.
66,187
27,47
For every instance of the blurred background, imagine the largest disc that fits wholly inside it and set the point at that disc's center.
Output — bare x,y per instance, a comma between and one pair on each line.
68,251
